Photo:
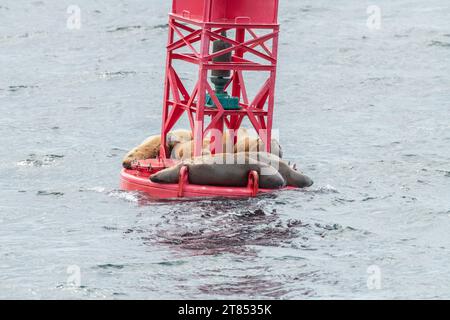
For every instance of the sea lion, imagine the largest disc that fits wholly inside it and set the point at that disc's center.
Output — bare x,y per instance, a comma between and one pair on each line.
227,138
150,147
253,145
290,174
185,150
228,144
222,170
180,135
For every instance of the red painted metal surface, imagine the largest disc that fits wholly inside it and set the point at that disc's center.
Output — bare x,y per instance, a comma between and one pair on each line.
252,30
193,25
225,11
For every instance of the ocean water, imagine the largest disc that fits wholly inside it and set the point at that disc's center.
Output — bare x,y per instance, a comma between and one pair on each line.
364,112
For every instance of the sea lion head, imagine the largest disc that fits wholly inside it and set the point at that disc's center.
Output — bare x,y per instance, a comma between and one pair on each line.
178,136
296,179
169,175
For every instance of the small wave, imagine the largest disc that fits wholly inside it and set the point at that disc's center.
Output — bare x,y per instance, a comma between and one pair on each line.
133,197
445,172
115,152
20,87
327,229
138,27
322,190
85,108
161,26
36,161
124,195
248,285
25,35
111,266
436,43
119,294
29,163
117,74
343,200
85,291
171,263
306,9
109,228
50,193
125,28
93,189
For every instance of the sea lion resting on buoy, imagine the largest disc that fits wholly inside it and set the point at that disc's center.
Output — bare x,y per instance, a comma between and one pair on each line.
184,150
255,145
229,145
221,170
290,174
232,170
245,143
149,149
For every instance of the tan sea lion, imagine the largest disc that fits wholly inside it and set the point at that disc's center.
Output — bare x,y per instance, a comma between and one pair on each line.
150,147
185,150
228,144
255,144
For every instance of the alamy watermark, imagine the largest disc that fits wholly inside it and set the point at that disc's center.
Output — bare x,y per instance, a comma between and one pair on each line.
374,19
374,278
74,276
74,19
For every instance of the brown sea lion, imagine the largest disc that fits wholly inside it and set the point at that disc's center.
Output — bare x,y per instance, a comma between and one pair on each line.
150,147
292,177
222,170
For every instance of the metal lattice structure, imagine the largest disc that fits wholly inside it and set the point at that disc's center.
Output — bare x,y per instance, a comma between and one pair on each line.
193,26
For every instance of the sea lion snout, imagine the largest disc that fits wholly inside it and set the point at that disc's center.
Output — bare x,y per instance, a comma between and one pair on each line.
308,181
127,164
155,178
299,180
304,181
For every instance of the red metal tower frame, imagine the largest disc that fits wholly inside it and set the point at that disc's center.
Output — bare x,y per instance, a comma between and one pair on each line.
199,22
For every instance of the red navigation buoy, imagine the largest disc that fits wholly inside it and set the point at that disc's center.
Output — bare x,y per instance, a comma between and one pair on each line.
224,38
